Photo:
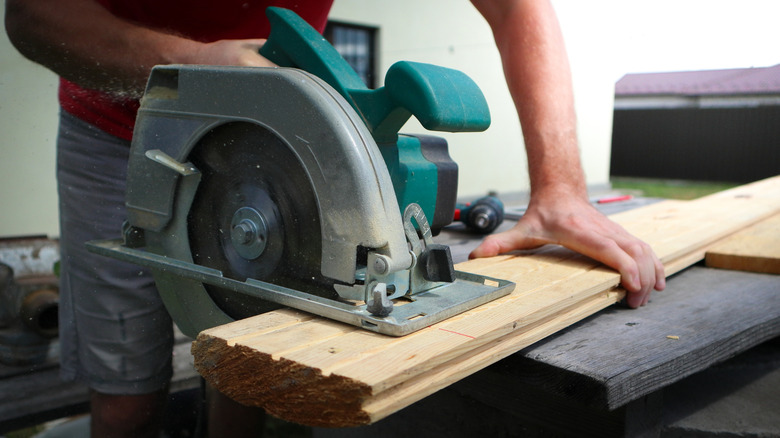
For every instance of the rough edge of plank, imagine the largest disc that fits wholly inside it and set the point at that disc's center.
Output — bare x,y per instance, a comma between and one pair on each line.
280,381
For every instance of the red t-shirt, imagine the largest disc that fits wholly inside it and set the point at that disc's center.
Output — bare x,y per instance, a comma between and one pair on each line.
201,20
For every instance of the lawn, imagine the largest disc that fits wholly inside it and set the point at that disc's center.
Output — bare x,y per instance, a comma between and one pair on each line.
668,189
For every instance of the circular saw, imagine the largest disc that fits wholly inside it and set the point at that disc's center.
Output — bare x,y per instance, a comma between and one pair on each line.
254,188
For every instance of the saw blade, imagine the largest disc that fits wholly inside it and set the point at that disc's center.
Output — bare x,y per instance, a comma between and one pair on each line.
255,215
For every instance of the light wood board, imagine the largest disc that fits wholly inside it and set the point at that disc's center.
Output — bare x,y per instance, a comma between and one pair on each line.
754,249
313,371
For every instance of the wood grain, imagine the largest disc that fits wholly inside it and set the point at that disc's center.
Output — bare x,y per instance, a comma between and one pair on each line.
754,249
322,373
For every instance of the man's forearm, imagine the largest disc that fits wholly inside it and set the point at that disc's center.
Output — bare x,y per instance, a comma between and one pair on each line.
539,79
84,43
536,67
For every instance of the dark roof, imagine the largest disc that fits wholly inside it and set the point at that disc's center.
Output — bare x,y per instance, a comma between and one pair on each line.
762,80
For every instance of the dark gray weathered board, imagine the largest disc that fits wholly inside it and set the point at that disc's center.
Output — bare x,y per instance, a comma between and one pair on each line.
618,355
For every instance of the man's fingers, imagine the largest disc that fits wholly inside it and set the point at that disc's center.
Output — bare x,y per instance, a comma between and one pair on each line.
243,53
518,237
648,269
660,275
488,248
252,57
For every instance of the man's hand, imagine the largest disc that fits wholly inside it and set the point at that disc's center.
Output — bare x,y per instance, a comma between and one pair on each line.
243,53
577,225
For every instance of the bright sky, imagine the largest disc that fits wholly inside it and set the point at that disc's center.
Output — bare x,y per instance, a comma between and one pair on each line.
677,35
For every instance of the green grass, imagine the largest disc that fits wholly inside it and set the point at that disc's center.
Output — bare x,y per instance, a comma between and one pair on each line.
668,189
25,433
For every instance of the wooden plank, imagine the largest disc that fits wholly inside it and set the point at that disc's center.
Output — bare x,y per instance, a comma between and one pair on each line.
323,373
754,249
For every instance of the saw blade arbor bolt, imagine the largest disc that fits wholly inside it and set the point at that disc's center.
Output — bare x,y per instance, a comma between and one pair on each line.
248,233
244,232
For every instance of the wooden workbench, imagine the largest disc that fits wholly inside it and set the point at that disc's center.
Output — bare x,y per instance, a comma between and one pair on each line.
606,373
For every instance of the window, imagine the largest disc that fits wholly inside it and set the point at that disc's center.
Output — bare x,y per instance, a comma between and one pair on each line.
357,45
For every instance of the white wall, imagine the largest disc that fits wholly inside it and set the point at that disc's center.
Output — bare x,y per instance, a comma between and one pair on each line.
28,128
605,40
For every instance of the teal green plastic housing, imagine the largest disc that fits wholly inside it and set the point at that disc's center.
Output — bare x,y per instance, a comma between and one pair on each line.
442,99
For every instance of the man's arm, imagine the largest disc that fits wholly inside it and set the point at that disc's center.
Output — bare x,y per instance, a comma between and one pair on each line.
538,76
83,42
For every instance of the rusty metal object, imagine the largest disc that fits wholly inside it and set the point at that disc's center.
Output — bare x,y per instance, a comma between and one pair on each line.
29,303
39,310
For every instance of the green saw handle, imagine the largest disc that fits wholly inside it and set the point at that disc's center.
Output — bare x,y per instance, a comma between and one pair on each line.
442,99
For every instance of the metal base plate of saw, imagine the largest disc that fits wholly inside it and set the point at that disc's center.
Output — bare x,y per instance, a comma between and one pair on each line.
254,188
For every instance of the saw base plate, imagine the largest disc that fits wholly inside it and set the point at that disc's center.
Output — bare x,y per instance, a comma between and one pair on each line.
437,304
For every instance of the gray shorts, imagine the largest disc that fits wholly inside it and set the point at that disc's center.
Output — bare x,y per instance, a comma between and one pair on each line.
115,334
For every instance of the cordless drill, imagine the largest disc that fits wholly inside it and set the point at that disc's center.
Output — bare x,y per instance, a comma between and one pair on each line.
481,216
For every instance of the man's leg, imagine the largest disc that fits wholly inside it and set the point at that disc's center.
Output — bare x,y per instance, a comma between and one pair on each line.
115,333
228,418
131,416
